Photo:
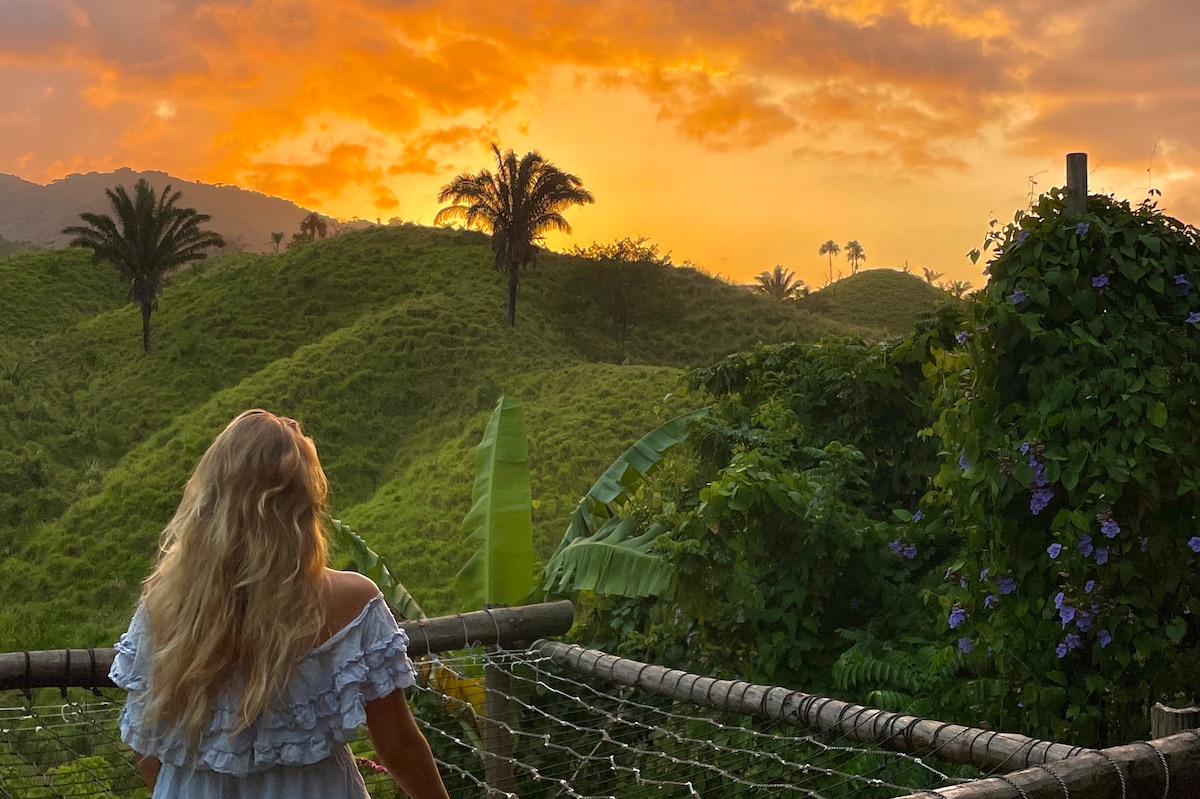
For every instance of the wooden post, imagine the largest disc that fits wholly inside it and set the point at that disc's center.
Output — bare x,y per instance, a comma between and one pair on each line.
497,724
1166,721
1077,188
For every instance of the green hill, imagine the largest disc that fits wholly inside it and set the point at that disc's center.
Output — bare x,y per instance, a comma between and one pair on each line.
388,344
886,301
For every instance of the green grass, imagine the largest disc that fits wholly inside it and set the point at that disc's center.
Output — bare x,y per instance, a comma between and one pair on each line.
878,302
388,344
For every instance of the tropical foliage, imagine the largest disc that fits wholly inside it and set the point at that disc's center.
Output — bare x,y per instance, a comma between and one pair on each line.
780,284
830,248
524,199
149,236
855,255
500,570
1067,409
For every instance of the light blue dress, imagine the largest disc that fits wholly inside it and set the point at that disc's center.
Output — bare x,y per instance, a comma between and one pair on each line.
297,748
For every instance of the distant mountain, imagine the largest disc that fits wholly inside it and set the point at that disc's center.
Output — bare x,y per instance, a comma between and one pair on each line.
36,214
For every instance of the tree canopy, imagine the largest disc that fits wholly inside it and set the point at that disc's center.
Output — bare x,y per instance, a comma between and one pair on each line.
523,200
147,236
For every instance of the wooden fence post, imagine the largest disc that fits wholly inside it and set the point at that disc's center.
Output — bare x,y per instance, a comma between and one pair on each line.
1166,721
497,726
1077,188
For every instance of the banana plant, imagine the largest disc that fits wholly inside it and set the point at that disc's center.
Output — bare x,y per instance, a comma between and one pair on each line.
499,523
366,561
604,552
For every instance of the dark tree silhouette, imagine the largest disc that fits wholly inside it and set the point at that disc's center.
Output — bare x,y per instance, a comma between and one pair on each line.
831,248
780,284
523,200
855,255
147,236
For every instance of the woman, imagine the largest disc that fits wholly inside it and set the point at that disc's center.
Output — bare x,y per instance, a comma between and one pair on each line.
249,663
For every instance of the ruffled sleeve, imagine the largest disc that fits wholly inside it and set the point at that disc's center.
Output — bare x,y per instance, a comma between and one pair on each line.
319,709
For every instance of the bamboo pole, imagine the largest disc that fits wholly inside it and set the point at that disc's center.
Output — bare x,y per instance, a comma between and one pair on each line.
509,628
1168,768
952,743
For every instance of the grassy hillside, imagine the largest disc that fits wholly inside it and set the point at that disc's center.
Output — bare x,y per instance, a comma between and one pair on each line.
388,344
885,299
49,290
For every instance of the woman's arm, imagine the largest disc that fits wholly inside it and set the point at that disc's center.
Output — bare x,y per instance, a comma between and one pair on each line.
148,767
402,748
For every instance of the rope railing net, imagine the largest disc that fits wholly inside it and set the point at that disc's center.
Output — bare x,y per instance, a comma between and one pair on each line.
571,737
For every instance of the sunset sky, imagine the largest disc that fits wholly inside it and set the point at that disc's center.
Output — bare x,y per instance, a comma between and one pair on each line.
738,134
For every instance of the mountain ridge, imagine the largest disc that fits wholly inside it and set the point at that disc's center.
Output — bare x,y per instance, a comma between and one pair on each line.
35,213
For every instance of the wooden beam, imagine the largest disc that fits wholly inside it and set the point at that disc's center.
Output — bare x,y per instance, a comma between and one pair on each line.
1166,721
952,743
509,628
1168,768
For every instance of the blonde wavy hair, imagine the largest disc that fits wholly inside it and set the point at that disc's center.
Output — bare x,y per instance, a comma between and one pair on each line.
236,595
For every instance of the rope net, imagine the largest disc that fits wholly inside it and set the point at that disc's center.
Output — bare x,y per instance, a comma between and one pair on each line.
560,736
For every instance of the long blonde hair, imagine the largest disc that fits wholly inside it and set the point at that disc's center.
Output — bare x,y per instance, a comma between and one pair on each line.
237,591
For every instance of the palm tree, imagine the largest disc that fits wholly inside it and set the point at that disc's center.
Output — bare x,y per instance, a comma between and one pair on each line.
276,240
149,236
781,285
931,277
855,255
523,200
831,247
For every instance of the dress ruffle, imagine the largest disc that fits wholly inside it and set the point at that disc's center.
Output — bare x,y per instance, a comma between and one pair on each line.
319,709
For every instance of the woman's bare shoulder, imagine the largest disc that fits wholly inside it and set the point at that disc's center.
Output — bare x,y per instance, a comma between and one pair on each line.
348,594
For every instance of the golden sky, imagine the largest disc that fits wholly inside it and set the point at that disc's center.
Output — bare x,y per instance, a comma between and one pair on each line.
738,134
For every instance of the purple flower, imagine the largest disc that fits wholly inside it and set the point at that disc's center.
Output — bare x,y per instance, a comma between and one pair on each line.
1102,555
1100,281
1061,650
1021,236
983,575
1110,528
1182,284
1066,613
1081,229
1007,585
1194,543
990,601
1058,599
963,463
961,338
1072,640
957,616
1104,637
1040,499
1084,621
910,551
896,546
965,645
1018,297
1088,586
1053,550
1085,545
1025,448
1193,318
918,516
1145,543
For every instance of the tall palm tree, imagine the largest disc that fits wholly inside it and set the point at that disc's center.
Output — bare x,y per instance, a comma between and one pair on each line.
149,236
855,255
780,284
523,200
831,247
276,240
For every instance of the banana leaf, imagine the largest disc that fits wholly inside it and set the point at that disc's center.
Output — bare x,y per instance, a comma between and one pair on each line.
600,551
500,524
365,560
